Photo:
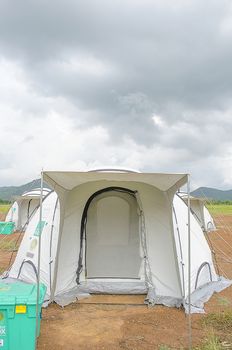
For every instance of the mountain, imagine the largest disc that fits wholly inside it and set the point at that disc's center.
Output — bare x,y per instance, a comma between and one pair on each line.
8,192
213,193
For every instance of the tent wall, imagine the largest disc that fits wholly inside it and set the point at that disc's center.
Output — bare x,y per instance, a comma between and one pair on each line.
200,251
28,250
161,250
209,222
198,209
26,208
200,212
12,215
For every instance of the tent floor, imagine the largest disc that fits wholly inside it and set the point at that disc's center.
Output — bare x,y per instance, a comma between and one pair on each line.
113,299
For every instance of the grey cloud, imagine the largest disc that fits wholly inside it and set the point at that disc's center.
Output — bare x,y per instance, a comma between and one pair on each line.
169,54
156,59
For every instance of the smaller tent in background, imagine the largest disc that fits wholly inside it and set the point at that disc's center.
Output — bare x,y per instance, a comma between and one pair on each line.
200,212
24,207
13,213
24,266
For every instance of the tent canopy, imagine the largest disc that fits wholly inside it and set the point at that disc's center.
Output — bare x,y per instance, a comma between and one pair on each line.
185,196
69,180
33,194
99,241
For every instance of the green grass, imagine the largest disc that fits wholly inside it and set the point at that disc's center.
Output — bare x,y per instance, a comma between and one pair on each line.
8,245
210,343
220,209
214,323
4,208
223,301
219,321
2,269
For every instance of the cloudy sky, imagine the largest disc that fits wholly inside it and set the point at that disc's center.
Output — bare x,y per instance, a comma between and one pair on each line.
142,84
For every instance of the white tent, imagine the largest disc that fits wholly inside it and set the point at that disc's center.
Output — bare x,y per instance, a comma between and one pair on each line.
200,211
13,213
24,207
117,233
25,264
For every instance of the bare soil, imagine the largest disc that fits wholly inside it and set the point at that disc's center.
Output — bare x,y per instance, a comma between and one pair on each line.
124,322
112,322
8,249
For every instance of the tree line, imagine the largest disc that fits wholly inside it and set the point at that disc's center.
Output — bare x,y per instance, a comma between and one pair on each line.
219,202
3,201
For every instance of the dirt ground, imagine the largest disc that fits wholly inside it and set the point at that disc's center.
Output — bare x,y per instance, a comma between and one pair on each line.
110,322
8,249
124,322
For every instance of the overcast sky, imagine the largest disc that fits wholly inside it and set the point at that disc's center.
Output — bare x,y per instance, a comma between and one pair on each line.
142,84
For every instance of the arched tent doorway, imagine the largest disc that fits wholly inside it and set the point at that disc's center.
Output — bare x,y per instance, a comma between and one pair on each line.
112,236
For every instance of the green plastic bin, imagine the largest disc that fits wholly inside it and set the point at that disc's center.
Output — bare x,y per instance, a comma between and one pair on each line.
6,228
18,315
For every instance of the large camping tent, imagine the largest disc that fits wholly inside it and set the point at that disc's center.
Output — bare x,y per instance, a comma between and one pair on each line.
200,211
24,207
117,233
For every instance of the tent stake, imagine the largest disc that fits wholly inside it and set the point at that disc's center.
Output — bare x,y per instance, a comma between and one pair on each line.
39,258
189,268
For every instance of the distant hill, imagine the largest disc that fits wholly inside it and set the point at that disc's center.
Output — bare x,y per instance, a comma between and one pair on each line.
213,193
8,192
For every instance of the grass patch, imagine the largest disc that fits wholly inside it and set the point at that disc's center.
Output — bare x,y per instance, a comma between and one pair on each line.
222,301
219,321
4,208
2,269
213,322
220,209
8,245
211,343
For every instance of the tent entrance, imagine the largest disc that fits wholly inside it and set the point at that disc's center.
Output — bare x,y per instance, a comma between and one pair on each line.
112,236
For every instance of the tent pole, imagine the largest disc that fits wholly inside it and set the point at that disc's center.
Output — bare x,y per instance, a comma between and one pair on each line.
189,268
39,258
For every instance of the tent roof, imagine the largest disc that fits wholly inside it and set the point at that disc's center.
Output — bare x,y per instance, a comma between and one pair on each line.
192,198
33,194
69,180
